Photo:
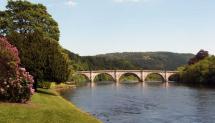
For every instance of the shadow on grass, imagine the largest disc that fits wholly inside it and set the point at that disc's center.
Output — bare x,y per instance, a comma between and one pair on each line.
46,91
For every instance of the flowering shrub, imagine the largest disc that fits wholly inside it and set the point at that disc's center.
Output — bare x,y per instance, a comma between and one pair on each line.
9,59
15,82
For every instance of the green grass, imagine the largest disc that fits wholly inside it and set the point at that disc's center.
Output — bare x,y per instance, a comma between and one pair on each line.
45,107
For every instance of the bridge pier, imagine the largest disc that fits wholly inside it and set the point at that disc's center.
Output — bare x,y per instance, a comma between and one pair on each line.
92,80
117,80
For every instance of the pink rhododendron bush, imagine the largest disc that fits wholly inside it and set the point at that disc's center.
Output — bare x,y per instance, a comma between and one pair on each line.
15,82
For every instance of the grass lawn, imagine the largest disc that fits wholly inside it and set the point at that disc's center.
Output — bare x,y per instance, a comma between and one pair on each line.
45,107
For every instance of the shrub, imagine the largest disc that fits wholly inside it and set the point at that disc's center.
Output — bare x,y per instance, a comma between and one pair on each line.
45,85
9,59
15,82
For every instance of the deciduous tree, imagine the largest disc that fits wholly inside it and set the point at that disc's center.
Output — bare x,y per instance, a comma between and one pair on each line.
36,34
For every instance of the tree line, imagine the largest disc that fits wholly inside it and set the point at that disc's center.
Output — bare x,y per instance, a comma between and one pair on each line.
131,60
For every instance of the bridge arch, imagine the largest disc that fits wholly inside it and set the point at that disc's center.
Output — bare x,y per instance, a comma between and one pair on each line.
103,73
175,77
130,74
86,76
153,76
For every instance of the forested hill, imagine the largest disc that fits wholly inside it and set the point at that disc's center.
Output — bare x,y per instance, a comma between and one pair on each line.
134,60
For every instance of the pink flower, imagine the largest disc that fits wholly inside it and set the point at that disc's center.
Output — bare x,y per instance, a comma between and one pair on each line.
17,81
22,69
32,91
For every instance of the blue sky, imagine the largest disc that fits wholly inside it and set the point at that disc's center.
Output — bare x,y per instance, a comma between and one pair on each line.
90,27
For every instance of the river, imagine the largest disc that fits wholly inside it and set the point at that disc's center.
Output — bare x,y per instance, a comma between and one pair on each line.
145,102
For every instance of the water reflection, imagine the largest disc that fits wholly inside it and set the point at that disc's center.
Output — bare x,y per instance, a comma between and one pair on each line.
92,84
145,102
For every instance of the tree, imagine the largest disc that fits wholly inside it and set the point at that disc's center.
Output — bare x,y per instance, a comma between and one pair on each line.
199,56
24,17
35,33
201,69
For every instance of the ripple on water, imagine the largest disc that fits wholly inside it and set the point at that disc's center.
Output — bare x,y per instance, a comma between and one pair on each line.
146,104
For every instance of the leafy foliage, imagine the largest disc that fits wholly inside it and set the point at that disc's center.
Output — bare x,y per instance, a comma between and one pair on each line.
9,59
77,63
137,60
15,83
35,33
24,17
103,77
129,78
199,56
154,77
45,85
202,71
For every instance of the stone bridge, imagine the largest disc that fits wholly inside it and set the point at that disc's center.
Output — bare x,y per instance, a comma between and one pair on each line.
117,74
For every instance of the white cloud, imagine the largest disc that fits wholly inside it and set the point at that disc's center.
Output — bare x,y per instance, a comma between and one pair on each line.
71,3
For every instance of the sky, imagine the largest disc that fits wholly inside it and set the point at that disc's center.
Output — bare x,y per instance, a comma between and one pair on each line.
90,27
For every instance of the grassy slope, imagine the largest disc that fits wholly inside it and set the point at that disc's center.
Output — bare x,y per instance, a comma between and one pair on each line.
45,107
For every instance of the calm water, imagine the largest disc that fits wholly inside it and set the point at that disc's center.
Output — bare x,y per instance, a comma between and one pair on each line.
145,103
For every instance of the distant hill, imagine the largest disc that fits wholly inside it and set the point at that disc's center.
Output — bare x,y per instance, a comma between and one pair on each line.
138,60
130,60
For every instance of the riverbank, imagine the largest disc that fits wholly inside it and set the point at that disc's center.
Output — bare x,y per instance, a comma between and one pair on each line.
46,106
